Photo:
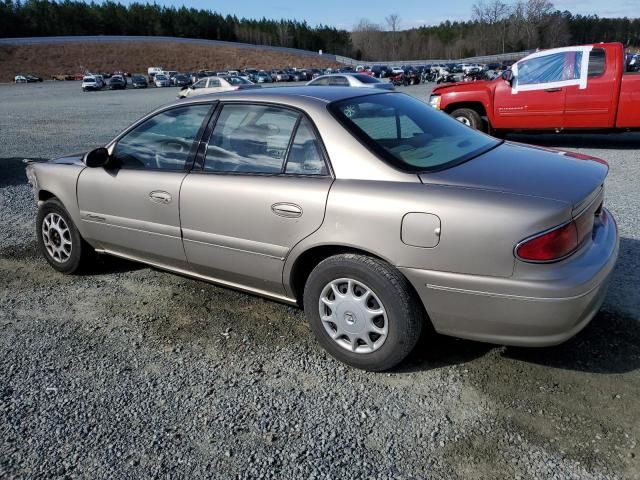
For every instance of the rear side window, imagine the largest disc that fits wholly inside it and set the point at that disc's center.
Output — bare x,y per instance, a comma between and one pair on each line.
597,62
305,157
250,139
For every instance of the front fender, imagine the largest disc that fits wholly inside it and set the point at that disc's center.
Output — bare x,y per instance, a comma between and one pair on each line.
58,180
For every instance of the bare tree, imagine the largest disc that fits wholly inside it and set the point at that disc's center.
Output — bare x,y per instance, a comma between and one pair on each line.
366,37
492,18
393,22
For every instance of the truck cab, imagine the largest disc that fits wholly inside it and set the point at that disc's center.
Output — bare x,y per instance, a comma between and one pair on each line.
570,88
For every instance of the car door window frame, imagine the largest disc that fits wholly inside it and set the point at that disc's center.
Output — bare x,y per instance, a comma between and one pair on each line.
204,142
190,162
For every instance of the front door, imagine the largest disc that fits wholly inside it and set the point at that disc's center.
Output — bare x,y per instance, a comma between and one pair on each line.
131,207
263,189
536,97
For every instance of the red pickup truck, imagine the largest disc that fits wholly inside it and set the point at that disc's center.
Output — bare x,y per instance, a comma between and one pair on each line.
570,88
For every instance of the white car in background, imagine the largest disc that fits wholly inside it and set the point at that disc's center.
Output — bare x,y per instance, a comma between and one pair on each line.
397,70
216,85
91,82
20,79
359,80
161,80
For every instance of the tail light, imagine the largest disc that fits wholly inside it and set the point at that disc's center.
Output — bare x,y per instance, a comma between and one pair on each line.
551,245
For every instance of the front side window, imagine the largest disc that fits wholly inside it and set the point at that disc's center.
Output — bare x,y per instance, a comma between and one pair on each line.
162,142
557,67
199,84
250,139
321,81
214,82
409,134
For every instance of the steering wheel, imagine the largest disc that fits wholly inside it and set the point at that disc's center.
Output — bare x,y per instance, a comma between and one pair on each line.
169,147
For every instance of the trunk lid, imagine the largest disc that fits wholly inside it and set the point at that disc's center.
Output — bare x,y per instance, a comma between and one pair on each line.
526,170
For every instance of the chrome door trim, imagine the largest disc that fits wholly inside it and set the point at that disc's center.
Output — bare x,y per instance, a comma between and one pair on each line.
198,276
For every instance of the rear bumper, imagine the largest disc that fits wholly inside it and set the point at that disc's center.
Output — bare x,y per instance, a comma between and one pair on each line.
537,310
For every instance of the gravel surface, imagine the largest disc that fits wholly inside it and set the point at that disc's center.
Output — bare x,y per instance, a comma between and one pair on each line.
129,372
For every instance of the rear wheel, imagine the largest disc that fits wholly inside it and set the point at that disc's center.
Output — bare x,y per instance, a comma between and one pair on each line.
363,311
469,117
59,239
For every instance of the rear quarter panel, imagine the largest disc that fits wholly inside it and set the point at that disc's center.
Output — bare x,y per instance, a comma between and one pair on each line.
479,228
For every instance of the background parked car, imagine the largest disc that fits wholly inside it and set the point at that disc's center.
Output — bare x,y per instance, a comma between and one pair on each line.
181,80
161,80
91,83
216,85
359,80
139,81
117,82
20,79
264,77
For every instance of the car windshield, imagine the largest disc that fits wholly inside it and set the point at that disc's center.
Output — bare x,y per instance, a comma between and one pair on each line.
408,133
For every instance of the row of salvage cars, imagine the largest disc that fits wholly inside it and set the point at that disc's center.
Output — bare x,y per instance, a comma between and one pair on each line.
377,214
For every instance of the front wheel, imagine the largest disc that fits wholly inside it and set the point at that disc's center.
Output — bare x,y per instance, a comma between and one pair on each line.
469,117
363,311
59,240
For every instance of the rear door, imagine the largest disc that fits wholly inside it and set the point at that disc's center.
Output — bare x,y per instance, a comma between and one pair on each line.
262,189
595,105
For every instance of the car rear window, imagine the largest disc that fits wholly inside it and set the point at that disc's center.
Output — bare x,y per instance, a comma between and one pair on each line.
408,133
367,78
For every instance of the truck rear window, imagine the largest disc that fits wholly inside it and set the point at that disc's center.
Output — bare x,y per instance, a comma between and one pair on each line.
408,133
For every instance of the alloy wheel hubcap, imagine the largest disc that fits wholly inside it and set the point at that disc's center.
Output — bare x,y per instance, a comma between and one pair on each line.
56,237
464,120
353,315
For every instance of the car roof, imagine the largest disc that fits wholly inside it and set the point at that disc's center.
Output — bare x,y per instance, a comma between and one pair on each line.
288,95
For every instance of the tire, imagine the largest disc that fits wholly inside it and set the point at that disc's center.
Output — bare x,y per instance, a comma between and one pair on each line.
74,258
469,117
388,291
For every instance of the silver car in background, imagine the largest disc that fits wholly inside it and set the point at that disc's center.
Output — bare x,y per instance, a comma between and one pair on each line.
359,80
373,211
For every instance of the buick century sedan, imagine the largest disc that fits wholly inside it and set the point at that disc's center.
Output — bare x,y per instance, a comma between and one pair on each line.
377,214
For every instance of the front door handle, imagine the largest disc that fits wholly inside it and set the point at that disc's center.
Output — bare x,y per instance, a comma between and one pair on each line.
288,210
159,196
551,90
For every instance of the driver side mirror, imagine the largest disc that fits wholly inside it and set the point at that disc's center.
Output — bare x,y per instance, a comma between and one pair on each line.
97,158
507,76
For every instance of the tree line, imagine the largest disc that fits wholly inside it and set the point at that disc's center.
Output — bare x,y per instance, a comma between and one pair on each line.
495,27
35,18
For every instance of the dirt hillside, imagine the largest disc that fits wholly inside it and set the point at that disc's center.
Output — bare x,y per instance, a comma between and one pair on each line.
71,58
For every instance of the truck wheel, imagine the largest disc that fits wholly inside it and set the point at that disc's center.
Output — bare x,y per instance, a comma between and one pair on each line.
469,117
363,311
59,240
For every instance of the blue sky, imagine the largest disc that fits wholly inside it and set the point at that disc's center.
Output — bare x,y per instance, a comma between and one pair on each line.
346,13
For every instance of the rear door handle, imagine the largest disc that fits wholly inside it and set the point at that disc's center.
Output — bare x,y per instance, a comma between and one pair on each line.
551,90
288,210
159,196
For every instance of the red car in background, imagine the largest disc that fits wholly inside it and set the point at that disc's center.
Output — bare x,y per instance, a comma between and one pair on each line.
569,88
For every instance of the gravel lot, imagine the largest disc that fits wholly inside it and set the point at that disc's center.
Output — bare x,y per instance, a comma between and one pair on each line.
129,372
